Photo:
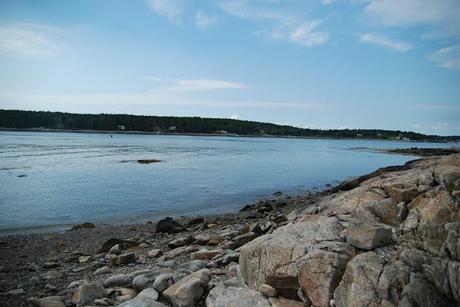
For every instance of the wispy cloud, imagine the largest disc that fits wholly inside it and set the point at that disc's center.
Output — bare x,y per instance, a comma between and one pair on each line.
193,85
443,14
384,41
448,57
19,100
203,20
243,9
30,41
306,35
204,85
171,9
285,25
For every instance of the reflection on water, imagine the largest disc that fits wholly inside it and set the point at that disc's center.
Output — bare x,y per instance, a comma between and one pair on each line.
66,178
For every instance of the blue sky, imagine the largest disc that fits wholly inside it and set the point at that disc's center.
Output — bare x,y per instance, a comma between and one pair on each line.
322,63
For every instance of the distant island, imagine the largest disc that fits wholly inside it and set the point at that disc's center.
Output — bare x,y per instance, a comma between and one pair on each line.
41,120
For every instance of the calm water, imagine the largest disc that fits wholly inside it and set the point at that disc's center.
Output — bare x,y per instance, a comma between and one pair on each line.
48,180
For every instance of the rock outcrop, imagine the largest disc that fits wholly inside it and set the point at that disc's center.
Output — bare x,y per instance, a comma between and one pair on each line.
390,239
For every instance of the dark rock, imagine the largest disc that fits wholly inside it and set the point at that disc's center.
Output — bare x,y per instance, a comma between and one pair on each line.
148,161
123,259
195,221
421,293
246,208
114,241
169,225
82,226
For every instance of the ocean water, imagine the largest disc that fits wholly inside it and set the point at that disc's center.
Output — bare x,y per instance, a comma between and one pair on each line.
50,180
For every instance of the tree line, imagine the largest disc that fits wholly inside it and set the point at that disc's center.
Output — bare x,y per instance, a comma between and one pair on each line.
18,119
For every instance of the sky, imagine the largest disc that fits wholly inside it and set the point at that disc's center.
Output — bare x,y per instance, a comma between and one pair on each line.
386,64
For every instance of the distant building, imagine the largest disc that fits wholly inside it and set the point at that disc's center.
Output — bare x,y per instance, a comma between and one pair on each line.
121,127
172,128
222,131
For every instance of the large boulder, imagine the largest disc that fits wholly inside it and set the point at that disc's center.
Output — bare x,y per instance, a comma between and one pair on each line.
360,281
321,270
429,214
187,291
271,259
419,292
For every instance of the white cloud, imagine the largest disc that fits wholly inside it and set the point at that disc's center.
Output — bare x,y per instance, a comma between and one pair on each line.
204,85
306,35
30,41
171,9
443,14
235,116
203,21
287,25
192,85
384,41
448,57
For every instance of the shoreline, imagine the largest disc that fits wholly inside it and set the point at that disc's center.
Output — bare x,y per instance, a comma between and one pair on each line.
109,222
215,135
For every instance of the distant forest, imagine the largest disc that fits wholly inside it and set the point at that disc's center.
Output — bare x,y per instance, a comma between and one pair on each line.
16,119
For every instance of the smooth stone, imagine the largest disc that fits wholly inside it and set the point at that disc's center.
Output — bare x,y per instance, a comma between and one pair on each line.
103,270
180,242
50,301
154,253
268,290
120,280
205,254
115,250
188,290
87,293
163,281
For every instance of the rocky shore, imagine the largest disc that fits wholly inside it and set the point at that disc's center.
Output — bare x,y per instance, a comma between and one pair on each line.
390,238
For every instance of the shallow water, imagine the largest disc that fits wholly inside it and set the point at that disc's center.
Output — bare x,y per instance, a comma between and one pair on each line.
50,179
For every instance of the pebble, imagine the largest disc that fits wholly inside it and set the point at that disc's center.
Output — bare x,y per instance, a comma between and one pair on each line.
103,270
268,290
154,253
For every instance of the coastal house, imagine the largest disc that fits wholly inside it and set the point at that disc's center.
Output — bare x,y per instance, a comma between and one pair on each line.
121,127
